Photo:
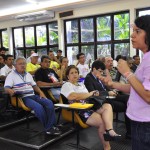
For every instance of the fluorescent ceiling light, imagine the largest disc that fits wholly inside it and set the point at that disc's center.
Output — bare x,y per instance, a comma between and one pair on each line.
40,5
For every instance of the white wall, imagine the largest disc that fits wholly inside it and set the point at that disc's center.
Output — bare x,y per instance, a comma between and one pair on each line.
121,5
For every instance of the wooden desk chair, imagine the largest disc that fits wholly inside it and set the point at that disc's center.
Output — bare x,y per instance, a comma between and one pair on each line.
71,116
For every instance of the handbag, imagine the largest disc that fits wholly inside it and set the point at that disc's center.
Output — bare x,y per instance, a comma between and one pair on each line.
96,101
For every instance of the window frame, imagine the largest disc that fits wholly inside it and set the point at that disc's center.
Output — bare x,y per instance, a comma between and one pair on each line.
24,48
95,43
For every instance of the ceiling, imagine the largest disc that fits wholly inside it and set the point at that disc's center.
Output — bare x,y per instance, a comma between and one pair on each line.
10,8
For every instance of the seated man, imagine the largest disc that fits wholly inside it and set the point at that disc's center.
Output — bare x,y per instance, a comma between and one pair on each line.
2,58
19,81
33,65
83,68
8,66
119,103
46,76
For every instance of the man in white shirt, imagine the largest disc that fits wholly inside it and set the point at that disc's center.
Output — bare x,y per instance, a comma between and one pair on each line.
83,68
8,66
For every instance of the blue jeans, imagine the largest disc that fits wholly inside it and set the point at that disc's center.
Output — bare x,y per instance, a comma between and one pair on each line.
56,92
140,133
43,108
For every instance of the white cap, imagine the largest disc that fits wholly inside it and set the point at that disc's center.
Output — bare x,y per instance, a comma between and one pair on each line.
34,55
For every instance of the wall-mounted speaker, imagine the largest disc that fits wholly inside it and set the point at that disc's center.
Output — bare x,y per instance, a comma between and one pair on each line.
66,14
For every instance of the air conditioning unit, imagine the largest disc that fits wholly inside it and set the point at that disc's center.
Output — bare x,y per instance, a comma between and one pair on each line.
40,15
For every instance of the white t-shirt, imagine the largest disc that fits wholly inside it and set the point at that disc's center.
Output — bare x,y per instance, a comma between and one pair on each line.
22,84
6,70
69,88
83,69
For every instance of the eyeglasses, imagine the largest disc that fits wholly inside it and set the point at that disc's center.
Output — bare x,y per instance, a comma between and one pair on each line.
102,72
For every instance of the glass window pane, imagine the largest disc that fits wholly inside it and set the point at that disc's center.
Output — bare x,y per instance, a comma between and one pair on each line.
103,28
72,31
19,53
5,38
29,36
54,49
18,35
103,50
88,50
42,51
121,49
121,26
87,31
72,51
144,12
53,33
28,52
41,35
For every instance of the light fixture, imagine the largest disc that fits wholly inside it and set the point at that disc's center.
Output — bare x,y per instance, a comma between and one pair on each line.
39,15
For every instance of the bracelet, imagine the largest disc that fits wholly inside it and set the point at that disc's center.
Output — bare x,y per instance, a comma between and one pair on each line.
129,76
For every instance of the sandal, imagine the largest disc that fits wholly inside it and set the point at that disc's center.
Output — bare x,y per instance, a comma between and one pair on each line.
108,137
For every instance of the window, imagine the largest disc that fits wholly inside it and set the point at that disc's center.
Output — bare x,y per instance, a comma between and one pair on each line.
39,38
96,36
29,36
72,31
4,38
53,33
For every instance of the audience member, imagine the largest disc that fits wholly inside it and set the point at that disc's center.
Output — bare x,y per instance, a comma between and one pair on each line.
54,62
108,61
59,55
136,62
33,65
8,66
62,71
29,58
46,76
2,50
2,62
118,103
20,81
101,117
83,68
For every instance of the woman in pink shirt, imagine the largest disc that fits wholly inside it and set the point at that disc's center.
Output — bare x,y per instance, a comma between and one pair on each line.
138,109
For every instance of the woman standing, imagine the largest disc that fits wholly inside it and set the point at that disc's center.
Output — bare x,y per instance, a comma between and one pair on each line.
138,109
101,117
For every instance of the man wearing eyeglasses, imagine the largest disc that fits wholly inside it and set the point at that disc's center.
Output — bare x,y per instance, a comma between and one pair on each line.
92,83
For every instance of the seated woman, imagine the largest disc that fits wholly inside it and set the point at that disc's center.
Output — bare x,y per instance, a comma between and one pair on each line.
62,71
101,118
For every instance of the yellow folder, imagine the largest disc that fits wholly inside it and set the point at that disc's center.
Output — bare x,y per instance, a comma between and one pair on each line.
80,105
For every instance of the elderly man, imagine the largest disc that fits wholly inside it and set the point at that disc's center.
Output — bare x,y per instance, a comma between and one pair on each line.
19,81
108,61
33,65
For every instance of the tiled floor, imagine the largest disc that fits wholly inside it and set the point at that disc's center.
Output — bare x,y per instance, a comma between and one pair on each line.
88,137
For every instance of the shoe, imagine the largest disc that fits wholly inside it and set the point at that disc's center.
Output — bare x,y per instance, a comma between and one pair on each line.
53,131
108,137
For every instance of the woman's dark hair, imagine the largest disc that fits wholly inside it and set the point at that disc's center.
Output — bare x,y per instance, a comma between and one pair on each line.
69,68
143,23
44,57
98,65
62,59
